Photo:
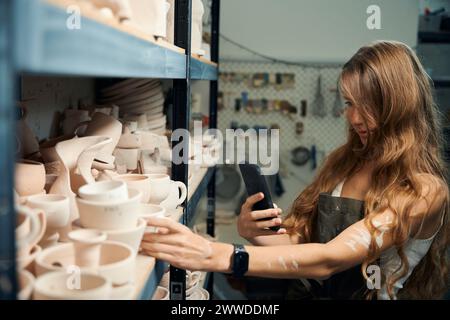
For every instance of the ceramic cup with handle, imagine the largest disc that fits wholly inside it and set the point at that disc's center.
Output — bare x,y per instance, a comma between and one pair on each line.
38,224
177,195
160,185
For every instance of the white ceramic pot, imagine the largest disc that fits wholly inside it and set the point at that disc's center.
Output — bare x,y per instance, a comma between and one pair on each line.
160,187
113,215
117,261
61,285
137,181
131,237
104,191
177,195
152,211
29,177
56,208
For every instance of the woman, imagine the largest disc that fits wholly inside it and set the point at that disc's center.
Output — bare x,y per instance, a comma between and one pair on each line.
380,199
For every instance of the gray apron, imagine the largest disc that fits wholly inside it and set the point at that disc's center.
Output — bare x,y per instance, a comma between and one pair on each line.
334,215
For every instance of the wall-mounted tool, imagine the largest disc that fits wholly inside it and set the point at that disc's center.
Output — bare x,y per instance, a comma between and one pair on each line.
319,103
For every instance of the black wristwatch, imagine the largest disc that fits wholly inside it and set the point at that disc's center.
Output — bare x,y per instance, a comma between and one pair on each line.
239,261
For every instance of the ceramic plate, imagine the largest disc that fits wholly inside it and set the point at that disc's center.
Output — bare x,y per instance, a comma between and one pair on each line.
153,87
125,86
132,97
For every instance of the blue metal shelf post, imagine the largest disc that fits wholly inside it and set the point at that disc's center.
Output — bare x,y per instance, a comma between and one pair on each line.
213,92
8,279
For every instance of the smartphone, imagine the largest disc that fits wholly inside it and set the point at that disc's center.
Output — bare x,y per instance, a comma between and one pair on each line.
255,182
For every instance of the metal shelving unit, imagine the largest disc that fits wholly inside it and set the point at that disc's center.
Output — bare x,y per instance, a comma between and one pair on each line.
34,39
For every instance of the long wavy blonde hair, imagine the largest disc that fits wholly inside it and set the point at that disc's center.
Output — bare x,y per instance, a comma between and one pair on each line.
389,86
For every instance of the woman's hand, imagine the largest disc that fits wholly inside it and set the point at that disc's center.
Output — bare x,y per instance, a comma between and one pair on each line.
177,245
248,224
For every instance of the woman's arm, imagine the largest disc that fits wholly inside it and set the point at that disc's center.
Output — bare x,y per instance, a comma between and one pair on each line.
177,245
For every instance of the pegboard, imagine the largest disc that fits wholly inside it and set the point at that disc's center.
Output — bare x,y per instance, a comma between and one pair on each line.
326,133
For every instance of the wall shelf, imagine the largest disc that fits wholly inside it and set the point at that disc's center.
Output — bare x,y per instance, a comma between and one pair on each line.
100,48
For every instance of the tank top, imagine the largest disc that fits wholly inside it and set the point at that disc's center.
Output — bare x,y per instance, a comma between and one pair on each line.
415,250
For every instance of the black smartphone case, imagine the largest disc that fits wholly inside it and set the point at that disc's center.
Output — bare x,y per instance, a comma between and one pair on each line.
254,183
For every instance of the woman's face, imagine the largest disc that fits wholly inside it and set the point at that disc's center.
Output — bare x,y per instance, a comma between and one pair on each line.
357,121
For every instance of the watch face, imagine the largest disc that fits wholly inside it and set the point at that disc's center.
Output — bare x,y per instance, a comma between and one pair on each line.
240,264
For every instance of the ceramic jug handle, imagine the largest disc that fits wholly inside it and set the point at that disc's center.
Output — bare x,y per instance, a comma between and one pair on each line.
37,226
182,186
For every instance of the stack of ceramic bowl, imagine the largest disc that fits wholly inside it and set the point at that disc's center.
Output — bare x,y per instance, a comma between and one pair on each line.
103,246
140,101
114,208
194,291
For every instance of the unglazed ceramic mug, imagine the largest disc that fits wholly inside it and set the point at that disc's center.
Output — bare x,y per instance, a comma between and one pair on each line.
177,195
55,206
37,220
137,181
104,191
112,215
160,187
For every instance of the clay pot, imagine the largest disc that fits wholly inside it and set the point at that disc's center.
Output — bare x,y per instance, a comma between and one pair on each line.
112,215
57,286
56,208
87,244
137,181
104,191
160,185
29,177
131,236
175,198
152,211
26,284
117,261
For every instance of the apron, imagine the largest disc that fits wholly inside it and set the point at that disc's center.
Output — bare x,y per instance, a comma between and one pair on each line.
334,215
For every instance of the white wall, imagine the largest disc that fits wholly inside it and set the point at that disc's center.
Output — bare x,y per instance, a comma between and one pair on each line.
312,30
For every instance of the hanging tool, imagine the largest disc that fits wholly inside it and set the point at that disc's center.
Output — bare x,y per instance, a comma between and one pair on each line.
319,103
